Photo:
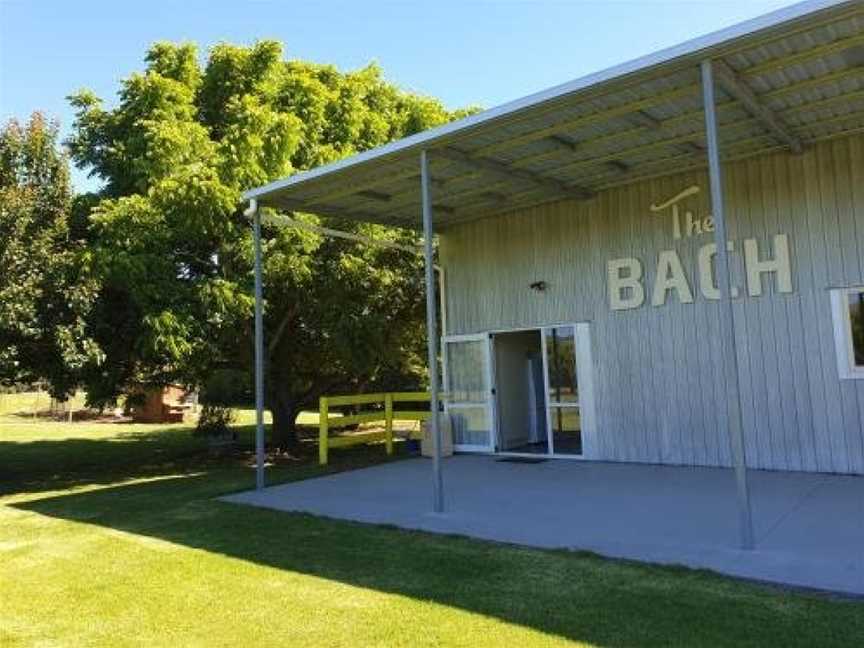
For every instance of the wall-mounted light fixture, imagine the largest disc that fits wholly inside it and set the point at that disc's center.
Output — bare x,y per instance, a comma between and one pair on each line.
539,286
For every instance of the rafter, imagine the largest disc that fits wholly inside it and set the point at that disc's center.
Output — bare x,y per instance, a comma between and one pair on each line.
333,211
662,166
572,123
737,88
690,89
525,200
367,182
451,196
805,55
395,184
691,146
564,142
500,169
495,196
643,119
375,195
661,98
315,205
816,82
463,200
696,116
679,142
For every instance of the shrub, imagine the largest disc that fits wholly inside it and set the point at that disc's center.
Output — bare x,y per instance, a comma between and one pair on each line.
215,421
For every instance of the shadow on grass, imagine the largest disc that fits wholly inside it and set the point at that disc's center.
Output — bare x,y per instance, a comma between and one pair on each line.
45,464
574,596
35,466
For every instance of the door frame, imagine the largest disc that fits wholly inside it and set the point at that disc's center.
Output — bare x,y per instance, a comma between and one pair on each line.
584,373
494,383
584,376
582,352
491,405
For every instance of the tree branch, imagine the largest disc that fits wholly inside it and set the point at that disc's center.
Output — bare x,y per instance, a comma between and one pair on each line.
280,330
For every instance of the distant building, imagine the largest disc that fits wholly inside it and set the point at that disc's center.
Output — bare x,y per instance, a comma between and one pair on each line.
159,404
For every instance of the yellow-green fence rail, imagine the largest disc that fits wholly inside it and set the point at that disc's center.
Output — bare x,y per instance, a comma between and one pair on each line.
386,415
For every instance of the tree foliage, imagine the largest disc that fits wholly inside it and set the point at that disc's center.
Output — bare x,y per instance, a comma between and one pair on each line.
173,254
44,301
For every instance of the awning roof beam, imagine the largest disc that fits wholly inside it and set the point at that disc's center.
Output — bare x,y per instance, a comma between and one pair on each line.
693,90
689,147
694,117
375,195
564,142
645,120
572,123
336,212
641,119
500,169
737,88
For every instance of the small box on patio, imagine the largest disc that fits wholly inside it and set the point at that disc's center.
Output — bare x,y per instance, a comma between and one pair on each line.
427,448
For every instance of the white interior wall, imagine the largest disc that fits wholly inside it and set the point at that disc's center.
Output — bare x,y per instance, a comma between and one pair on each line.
513,387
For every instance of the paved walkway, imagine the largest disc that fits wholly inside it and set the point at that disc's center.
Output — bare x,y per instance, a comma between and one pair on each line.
809,528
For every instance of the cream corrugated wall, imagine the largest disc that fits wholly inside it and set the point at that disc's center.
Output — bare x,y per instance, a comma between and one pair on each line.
656,368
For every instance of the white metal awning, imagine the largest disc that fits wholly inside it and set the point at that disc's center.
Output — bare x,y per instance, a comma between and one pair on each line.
785,80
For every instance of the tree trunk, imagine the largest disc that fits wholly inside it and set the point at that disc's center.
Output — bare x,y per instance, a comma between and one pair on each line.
283,407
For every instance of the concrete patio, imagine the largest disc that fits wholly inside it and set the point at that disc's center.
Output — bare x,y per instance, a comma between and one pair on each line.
809,528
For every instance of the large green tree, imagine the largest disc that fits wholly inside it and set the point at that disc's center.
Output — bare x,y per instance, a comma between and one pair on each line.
44,300
173,253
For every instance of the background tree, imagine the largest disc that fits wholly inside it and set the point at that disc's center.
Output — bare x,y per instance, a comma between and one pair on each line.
43,299
173,254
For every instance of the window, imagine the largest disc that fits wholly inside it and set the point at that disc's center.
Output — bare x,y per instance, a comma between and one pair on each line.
847,307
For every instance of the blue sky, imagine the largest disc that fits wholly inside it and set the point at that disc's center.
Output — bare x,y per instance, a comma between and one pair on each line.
467,52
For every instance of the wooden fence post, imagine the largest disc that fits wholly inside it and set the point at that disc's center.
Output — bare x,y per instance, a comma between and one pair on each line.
323,430
388,423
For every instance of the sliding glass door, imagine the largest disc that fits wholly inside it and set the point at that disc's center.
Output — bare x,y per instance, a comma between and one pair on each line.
468,391
563,406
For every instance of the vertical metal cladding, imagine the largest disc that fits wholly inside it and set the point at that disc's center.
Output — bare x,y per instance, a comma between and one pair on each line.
656,362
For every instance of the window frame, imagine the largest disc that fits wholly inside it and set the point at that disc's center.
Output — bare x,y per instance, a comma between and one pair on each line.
843,340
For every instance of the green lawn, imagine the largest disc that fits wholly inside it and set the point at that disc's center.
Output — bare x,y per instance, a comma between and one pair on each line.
26,403
18,407
110,535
